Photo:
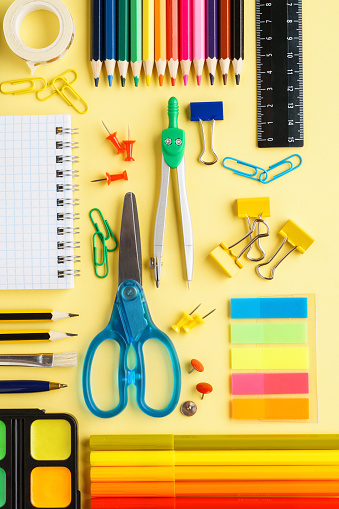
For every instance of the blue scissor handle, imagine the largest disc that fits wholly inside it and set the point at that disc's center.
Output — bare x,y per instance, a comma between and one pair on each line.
131,324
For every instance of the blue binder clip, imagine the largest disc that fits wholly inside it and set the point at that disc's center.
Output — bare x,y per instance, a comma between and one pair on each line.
210,112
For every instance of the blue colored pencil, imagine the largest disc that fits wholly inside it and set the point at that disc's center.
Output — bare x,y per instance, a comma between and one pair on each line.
110,38
97,39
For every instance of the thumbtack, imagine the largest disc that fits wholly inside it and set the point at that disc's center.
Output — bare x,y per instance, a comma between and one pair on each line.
186,318
204,388
111,178
188,408
129,145
196,366
198,320
113,138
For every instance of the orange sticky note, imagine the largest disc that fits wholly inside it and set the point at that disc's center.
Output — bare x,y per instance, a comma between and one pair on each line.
277,408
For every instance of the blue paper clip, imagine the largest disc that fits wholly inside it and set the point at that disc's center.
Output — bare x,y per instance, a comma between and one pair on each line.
287,160
252,176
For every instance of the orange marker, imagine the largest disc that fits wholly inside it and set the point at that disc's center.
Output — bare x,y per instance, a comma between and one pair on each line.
160,38
172,15
129,145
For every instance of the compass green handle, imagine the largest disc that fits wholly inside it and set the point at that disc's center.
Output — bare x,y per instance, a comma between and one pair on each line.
173,112
173,138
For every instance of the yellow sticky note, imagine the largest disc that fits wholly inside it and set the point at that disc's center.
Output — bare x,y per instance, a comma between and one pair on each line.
270,358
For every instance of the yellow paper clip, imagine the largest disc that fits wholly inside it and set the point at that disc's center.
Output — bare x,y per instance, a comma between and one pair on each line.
227,259
64,76
70,94
294,235
254,208
32,87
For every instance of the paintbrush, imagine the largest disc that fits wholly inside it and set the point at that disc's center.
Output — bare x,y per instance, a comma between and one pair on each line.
41,360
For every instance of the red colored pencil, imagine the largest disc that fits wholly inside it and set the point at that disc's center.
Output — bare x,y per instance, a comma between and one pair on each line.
172,10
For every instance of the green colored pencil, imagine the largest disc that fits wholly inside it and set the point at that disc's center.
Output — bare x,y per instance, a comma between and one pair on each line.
123,39
136,39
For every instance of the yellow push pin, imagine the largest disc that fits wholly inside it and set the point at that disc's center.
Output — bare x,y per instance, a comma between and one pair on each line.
198,320
186,318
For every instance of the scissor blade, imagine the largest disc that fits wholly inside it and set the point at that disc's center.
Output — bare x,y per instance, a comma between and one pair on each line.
130,261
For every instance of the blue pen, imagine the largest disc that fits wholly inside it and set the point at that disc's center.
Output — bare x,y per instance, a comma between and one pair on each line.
21,386
110,38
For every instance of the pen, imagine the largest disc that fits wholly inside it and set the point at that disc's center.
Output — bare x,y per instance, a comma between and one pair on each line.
33,315
21,386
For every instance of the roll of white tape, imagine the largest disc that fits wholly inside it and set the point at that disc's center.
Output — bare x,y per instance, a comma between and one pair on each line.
41,56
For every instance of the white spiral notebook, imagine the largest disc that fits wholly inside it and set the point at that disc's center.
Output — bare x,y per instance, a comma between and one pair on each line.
36,202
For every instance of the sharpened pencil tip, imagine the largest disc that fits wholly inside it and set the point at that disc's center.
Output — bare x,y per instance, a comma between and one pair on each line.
173,82
110,79
96,82
72,314
237,79
123,81
148,80
185,79
199,80
161,79
136,81
211,79
224,78
70,334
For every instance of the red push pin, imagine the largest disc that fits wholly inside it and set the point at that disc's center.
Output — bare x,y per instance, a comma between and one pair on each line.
111,178
204,388
196,366
129,145
113,138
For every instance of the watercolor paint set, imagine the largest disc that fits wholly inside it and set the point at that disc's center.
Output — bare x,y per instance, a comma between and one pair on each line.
38,460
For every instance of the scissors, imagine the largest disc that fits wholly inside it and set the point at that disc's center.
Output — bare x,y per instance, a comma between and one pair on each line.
131,326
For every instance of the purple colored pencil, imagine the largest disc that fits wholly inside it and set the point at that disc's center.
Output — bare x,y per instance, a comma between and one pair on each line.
212,37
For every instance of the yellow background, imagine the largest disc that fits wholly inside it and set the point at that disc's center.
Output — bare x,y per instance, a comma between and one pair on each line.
309,196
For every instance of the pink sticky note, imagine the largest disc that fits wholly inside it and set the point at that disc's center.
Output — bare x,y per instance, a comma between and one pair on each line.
269,383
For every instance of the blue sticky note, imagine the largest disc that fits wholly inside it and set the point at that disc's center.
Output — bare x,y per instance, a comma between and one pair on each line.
272,307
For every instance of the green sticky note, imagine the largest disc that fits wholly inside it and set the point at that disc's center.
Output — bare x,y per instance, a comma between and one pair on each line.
2,440
265,333
2,487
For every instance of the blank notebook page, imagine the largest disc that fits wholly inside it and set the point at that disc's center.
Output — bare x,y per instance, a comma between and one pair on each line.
36,218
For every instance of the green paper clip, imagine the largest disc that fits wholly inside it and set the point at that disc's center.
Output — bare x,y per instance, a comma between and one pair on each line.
103,240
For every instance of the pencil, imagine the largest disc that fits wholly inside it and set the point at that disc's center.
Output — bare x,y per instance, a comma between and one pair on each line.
185,32
33,315
148,38
136,39
212,37
172,34
224,37
24,386
237,48
123,39
160,38
97,39
33,335
110,42
198,37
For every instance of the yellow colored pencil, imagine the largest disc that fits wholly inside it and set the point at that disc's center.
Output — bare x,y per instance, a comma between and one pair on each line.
160,38
148,38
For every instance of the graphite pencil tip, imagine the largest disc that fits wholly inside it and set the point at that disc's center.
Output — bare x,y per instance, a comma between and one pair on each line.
237,79
70,334
224,78
72,314
199,80
161,79
211,79
123,81
173,82
96,82
185,79
110,79
136,80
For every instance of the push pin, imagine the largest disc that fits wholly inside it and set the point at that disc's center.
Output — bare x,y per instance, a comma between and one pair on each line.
113,138
186,318
204,388
111,178
294,235
196,366
255,208
129,145
188,408
198,320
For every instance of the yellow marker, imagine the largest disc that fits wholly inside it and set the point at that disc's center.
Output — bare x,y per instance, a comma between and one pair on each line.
148,38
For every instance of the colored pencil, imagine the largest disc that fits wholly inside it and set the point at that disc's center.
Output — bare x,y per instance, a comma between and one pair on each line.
110,38
172,35
33,335
97,39
25,386
212,37
136,39
198,37
215,503
224,37
185,37
237,50
33,315
148,38
160,38
123,46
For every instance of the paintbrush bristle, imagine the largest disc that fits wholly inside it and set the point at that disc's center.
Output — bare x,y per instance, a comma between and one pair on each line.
66,359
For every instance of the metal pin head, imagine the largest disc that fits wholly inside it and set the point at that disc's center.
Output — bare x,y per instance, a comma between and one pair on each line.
188,408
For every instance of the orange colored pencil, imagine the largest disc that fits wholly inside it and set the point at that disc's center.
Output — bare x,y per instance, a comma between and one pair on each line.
172,15
160,38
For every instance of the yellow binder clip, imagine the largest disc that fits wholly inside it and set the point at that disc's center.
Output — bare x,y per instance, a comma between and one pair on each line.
255,208
70,95
227,259
32,86
294,235
70,76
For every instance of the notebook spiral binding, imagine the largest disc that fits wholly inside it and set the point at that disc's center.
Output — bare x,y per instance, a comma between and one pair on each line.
64,160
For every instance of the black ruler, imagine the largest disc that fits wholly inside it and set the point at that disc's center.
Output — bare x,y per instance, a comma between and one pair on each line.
279,73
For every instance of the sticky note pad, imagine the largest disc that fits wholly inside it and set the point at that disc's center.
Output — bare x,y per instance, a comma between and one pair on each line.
269,383
269,332
270,358
275,307
279,408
